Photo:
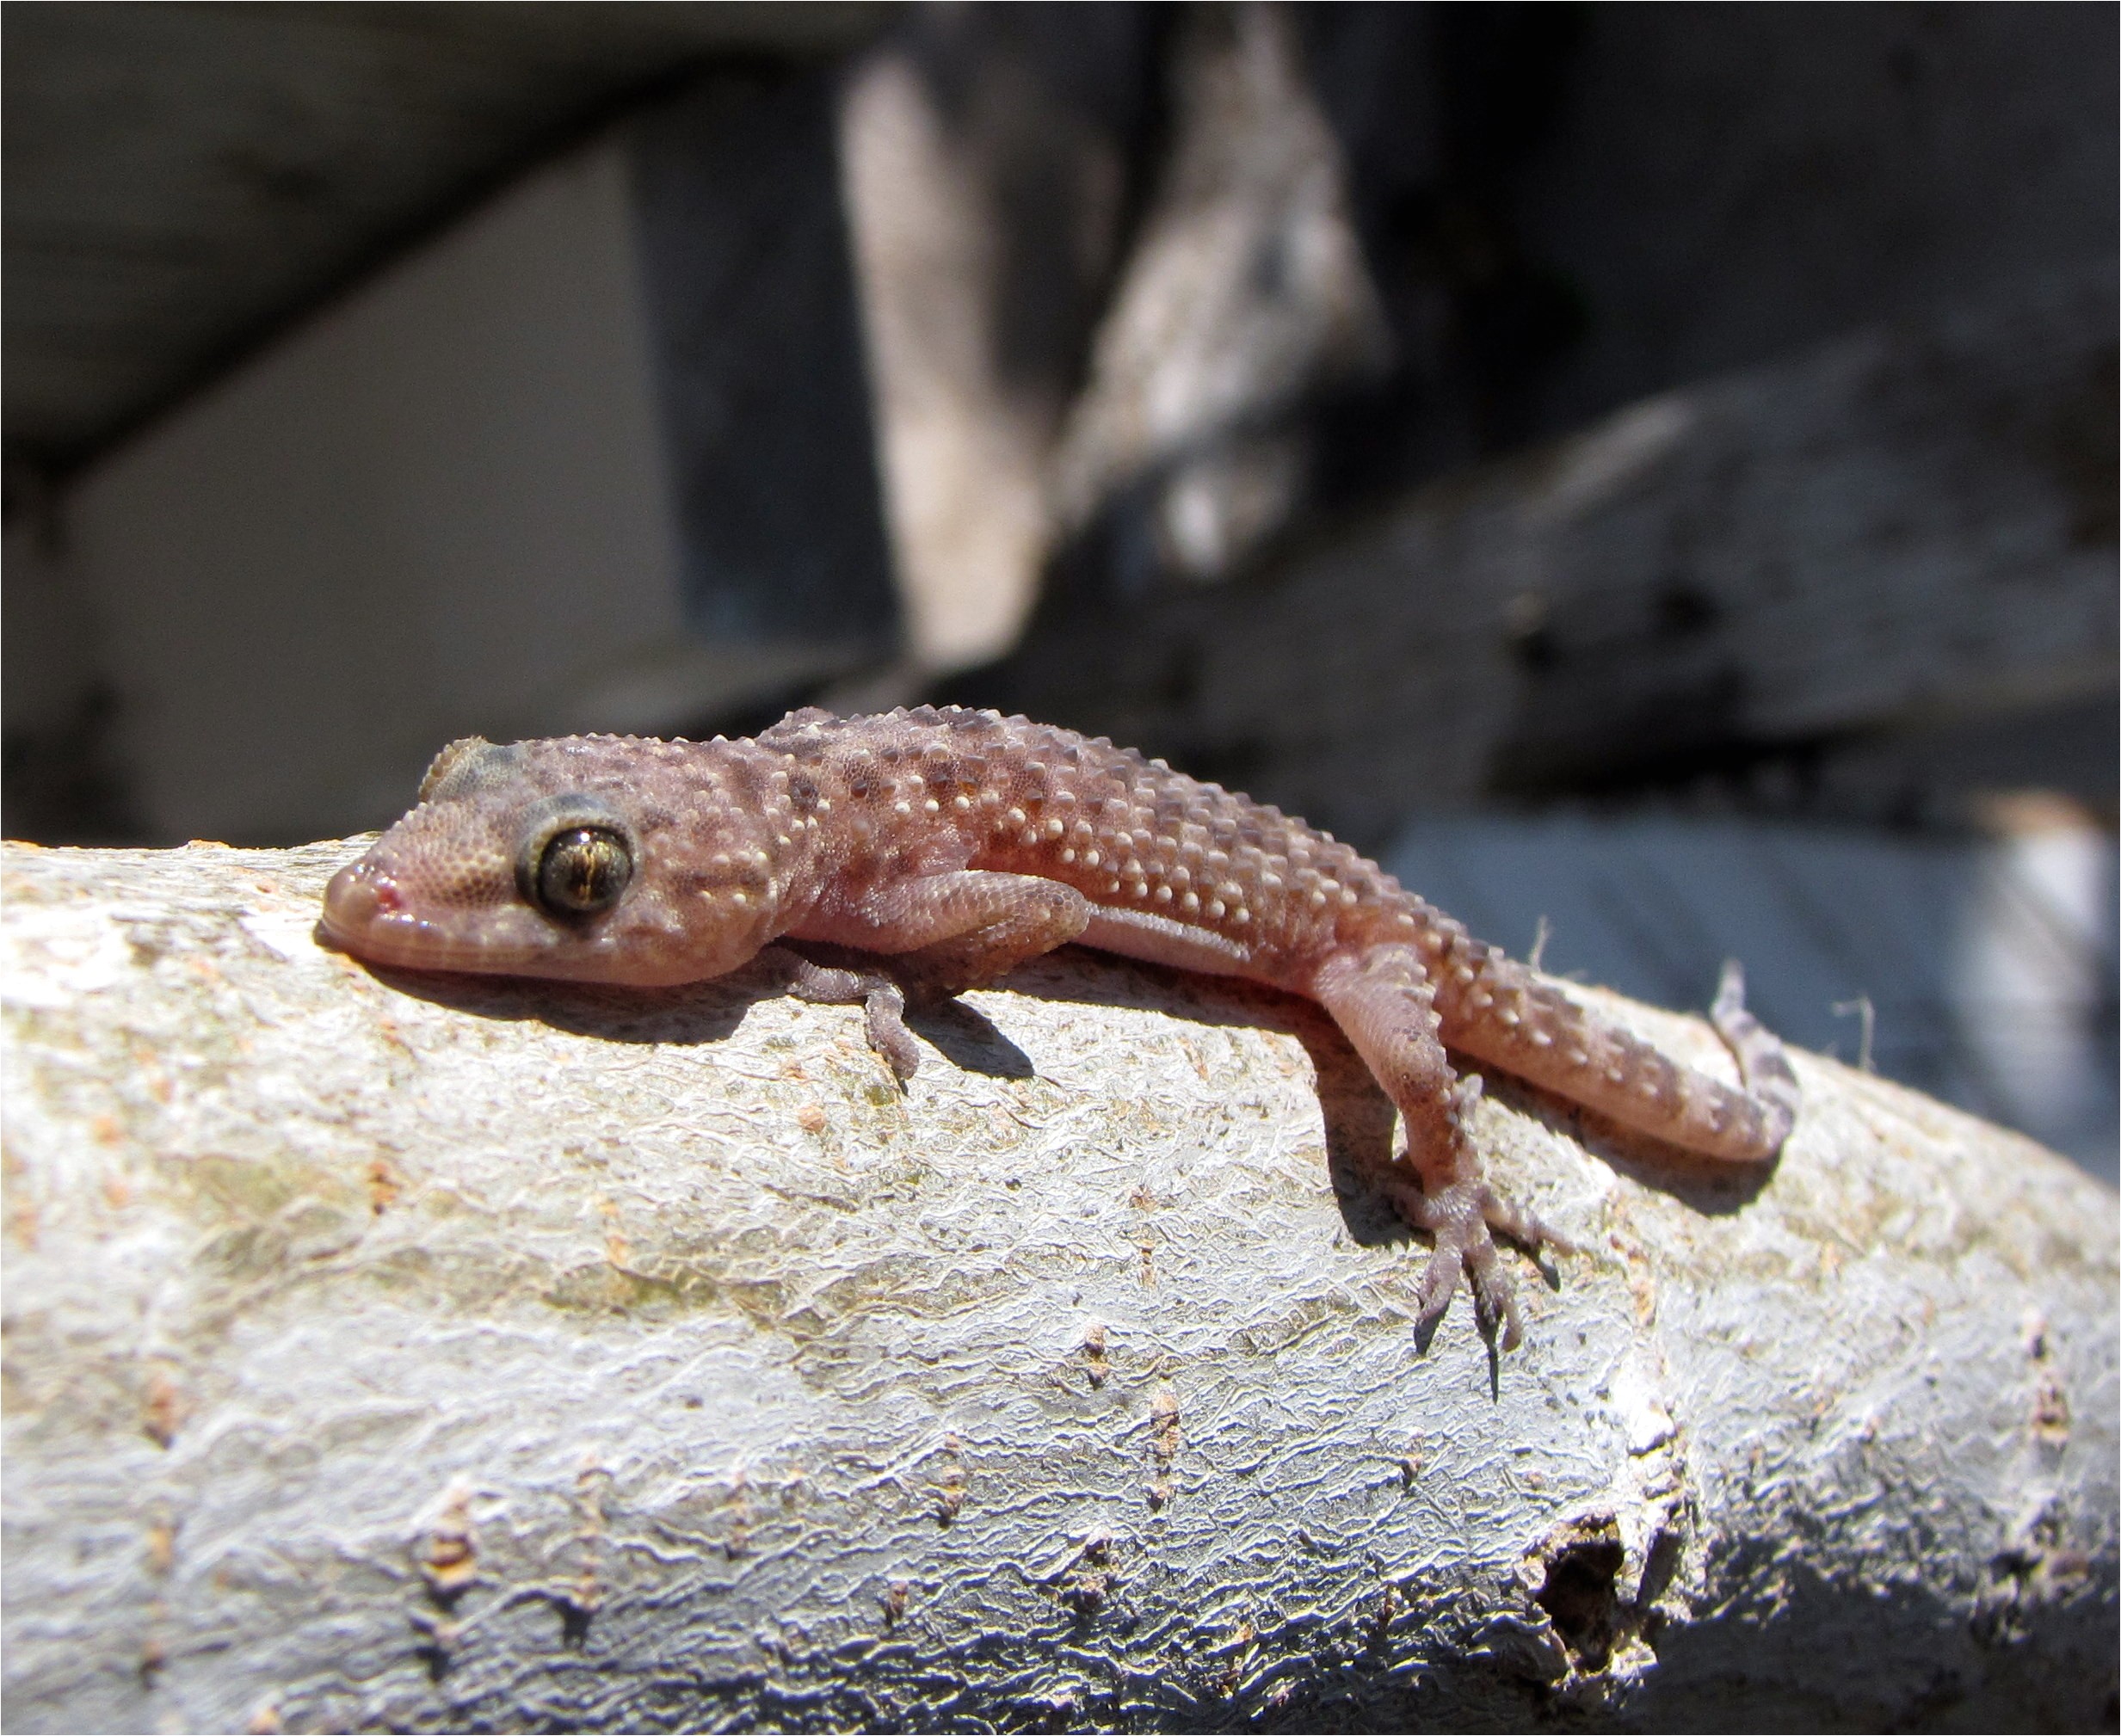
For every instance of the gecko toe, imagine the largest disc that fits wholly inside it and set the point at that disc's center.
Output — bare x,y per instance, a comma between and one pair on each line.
1494,1298
1526,1228
899,1051
884,1023
1440,1283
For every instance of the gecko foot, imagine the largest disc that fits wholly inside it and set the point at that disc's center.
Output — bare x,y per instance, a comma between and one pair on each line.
884,1004
1460,1216
1763,1067
883,1022
1463,1244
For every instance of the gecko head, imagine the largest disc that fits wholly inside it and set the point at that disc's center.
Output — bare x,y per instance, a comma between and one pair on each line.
558,859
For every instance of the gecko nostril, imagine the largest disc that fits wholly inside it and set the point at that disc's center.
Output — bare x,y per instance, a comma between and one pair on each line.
355,897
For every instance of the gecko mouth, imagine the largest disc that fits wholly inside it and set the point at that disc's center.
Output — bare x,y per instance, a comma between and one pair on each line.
365,915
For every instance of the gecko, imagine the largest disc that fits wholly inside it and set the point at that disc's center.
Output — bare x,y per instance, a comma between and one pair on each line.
948,846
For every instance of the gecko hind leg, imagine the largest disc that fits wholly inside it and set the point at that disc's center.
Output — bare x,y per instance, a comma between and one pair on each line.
1460,1215
1385,1004
933,937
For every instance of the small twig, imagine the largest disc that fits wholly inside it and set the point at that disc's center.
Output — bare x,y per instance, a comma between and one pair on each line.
1862,1007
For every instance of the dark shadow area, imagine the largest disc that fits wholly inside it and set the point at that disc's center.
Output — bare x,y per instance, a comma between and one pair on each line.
970,1040
1779,1631
1711,1186
694,1014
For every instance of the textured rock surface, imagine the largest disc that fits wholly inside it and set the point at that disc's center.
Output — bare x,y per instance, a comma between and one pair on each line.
480,1355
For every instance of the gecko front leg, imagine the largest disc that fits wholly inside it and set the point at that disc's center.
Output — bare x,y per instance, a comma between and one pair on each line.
943,933
884,1003
959,929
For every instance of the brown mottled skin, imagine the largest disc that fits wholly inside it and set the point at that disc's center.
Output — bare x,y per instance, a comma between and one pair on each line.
961,843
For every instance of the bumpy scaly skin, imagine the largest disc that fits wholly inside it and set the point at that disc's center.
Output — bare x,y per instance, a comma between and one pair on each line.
960,843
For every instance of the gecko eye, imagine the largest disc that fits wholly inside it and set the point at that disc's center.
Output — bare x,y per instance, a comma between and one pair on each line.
583,872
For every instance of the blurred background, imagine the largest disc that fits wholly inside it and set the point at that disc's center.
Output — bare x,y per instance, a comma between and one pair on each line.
1648,473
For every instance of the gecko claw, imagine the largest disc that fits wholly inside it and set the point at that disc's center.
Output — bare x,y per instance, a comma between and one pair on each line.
1494,1298
1763,1066
1440,1283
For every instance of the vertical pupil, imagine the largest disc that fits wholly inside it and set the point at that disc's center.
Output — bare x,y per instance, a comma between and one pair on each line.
584,870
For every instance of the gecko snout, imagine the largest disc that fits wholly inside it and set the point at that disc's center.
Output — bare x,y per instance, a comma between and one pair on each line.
358,896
